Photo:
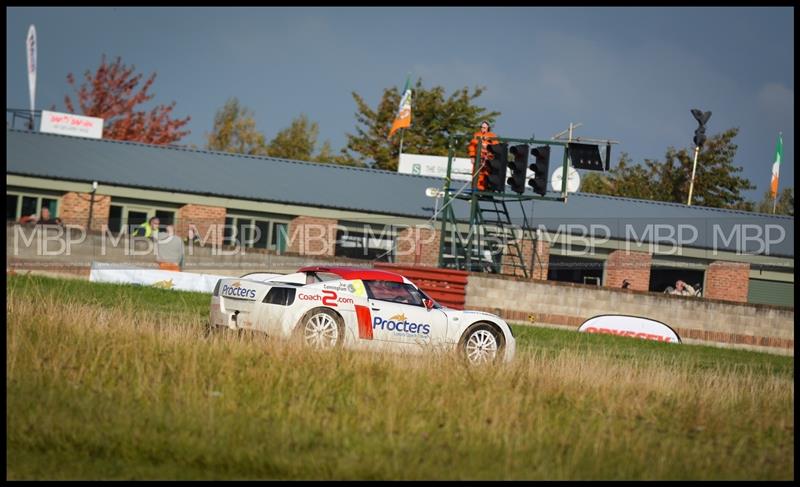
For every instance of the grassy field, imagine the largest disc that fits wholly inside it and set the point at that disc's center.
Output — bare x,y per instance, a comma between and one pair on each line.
121,382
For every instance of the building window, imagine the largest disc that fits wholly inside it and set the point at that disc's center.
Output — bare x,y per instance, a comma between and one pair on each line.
488,258
165,218
115,219
12,202
251,231
575,269
124,216
662,278
228,234
363,241
280,236
19,205
30,206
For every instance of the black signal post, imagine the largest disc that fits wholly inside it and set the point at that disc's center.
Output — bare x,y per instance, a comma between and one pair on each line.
518,168
699,140
497,167
540,168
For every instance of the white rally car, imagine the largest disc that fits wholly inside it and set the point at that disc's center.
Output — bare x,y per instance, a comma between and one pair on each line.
328,307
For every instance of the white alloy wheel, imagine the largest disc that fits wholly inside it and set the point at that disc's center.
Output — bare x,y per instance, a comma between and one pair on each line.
321,330
481,346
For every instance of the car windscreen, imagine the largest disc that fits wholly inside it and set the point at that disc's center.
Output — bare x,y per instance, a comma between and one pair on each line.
395,292
313,277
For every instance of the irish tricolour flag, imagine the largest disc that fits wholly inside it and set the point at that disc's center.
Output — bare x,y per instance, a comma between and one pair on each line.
776,166
403,118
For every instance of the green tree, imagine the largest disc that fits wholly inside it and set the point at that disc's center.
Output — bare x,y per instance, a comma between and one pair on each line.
785,204
716,182
235,131
297,141
625,179
434,118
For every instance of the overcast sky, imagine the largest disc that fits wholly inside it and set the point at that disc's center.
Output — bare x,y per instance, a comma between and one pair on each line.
629,74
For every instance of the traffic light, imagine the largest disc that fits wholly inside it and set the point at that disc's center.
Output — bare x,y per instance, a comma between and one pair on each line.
540,167
700,132
498,162
519,166
699,136
585,156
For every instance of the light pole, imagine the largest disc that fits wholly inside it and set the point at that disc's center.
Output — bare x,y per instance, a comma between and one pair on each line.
91,206
699,140
435,193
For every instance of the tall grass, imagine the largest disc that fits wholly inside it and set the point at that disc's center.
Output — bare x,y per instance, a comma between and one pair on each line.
129,387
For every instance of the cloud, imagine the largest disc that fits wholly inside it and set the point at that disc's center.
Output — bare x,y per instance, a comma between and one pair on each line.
455,75
776,99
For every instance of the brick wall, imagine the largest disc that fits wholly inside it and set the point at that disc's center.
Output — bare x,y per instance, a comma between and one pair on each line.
207,221
633,266
540,261
728,281
418,246
75,209
511,258
312,236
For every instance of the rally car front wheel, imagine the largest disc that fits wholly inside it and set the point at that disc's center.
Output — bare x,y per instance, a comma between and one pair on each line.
481,343
322,329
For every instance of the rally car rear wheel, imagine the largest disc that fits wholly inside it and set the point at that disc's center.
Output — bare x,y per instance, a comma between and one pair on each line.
322,329
481,343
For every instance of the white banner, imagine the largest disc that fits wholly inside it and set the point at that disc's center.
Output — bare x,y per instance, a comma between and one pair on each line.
30,49
435,166
630,326
182,281
68,124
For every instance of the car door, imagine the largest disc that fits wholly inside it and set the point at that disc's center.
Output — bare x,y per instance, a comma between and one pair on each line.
399,315
273,308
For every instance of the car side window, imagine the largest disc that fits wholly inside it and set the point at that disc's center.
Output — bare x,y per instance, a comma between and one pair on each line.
394,292
280,295
416,296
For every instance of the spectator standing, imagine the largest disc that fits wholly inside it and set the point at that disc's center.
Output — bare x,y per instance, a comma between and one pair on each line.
148,229
486,138
682,289
46,219
169,250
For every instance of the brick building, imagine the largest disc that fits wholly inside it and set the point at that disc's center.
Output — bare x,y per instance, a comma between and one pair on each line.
324,211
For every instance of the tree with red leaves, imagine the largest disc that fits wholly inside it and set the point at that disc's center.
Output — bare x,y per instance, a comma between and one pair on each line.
111,94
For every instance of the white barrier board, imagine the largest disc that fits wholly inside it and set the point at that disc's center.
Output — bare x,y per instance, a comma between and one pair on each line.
630,326
183,281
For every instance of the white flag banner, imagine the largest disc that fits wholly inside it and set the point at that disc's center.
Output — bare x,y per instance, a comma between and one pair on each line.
127,274
30,48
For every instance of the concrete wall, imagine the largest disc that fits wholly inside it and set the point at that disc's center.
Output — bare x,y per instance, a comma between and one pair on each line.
568,304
